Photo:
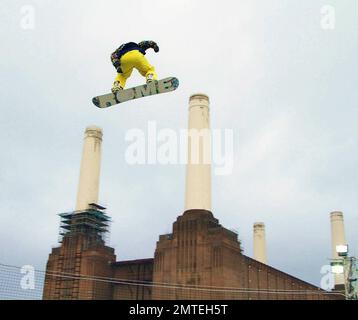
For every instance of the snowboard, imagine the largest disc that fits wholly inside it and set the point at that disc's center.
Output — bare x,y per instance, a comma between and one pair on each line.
145,90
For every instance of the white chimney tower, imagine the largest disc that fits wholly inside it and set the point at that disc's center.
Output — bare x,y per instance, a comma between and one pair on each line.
198,177
338,238
260,242
88,186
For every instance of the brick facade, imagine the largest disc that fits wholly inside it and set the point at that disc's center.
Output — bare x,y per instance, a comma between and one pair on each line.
199,260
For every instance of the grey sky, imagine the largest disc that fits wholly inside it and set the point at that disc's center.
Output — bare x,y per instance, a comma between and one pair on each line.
286,86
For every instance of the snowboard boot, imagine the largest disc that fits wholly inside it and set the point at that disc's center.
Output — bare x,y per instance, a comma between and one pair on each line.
116,87
150,78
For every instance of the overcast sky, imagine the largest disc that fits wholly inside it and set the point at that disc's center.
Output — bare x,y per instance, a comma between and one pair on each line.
286,86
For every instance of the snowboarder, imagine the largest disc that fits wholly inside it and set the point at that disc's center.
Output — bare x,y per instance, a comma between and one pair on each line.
131,55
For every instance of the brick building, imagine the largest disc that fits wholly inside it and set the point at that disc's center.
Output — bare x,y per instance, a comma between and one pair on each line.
200,259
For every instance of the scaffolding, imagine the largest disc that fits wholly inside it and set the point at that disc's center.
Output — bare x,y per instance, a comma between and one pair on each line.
348,267
92,223
351,276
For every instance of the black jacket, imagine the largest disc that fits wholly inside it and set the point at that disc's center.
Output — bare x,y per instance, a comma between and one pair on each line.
130,46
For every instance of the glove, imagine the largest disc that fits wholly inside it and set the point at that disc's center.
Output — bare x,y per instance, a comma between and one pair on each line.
156,48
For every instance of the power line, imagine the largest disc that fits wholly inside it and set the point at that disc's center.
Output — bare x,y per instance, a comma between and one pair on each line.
143,283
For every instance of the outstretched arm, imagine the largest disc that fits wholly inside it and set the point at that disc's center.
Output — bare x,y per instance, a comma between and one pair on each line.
145,45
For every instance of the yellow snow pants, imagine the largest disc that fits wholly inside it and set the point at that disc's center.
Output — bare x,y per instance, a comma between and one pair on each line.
134,59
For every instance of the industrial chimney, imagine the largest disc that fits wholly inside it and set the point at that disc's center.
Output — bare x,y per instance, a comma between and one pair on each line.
260,242
198,177
88,186
338,239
